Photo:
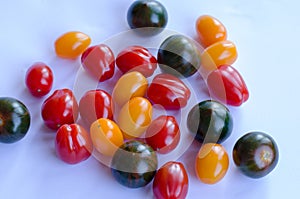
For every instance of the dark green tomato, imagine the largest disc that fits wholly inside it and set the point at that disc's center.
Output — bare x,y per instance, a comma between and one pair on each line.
14,120
148,17
134,164
256,154
210,121
178,55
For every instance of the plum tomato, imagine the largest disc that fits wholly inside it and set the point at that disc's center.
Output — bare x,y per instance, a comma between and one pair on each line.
136,58
211,163
95,104
171,181
256,154
71,44
99,62
73,144
39,79
163,134
59,108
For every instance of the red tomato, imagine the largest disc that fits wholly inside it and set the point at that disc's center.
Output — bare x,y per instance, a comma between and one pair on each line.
95,104
136,58
60,108
171,181
39,79
163,134
73,144
99,61
228,86
168,91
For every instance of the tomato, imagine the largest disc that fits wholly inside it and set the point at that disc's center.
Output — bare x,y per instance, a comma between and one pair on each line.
130,85
134,164
163,134
179,56
211,163
150,15
168,91
71,44
210,30
135,117
14,120
39,79
256,154
136,58
218,54
210,121
106,136
99,62
227,85
59,108
73,144
171,181
95,104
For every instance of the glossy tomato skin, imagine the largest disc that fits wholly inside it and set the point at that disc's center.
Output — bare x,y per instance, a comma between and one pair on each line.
163,134
228,86
96,104
136,58
73,144
59,108
168,91
99,62
39,79
256,154
171,181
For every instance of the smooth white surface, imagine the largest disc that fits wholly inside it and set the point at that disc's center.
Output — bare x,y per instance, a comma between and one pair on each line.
266,33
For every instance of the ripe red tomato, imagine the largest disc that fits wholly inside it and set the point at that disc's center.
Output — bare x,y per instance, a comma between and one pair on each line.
60,108
136,58
73,144
95,104
99,61
171,181
39,79
163,134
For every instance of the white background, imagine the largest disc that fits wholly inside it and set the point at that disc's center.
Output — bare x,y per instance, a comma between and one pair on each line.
266,33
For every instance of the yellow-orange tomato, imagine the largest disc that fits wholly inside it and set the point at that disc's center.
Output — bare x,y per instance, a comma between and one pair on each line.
71,44
132,84
211,163
134,117
218,54
210,30
106,136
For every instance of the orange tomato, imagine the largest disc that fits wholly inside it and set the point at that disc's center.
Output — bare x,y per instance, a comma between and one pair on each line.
71,44
210,30
211,163
106,136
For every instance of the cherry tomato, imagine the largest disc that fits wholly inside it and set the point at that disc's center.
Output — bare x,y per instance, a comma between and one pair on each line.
71,44
168,91
99,61
134,117
136,58
211,163
132,84
73,144
210,30
95,104
171,181
106,136
163,134
60,108
227,85
39,79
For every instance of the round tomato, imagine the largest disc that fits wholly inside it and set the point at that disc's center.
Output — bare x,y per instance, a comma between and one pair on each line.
39,79
73,144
